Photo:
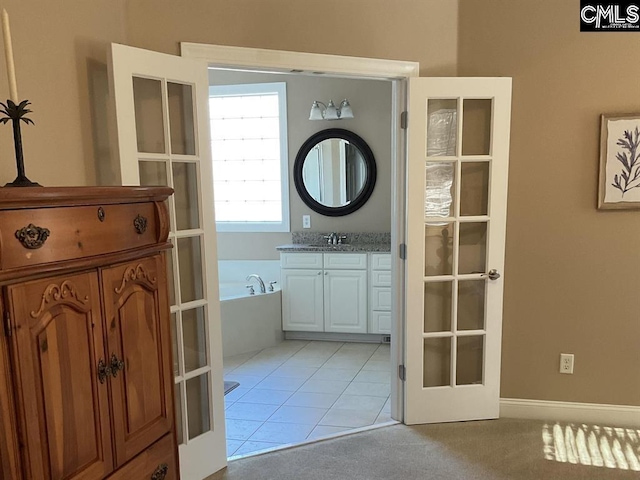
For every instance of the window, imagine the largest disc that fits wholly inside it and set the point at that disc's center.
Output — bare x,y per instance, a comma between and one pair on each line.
250,157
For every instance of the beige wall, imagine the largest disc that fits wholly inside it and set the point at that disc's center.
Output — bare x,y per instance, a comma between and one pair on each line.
58,48
61,48
417,30
371,102
571,275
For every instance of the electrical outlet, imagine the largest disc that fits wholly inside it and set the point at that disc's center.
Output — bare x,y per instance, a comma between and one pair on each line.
566,363
306,221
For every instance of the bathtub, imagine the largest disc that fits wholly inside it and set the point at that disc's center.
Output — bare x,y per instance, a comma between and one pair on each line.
249,322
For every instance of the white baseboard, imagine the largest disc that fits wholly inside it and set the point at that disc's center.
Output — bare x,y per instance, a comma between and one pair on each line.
594,413
335,337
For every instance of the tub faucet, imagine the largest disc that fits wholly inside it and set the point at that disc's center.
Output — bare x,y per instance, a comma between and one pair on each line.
257,277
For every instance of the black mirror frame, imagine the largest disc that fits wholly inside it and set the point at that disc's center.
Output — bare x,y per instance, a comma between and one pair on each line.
370,164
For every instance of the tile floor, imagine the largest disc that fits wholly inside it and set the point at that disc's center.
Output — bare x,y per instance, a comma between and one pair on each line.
303,390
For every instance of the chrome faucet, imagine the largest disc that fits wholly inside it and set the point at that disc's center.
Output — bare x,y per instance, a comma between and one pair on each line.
332,238
257,277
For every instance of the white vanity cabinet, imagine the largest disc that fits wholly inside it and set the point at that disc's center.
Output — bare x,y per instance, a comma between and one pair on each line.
302,292
380,317
345,292
324,292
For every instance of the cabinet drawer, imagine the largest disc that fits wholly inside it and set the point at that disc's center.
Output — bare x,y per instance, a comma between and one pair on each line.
74,232
348,261
380,322
158,458
380,278
301,260
381,298
381,261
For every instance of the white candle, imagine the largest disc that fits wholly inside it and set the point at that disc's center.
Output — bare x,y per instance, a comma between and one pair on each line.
8,54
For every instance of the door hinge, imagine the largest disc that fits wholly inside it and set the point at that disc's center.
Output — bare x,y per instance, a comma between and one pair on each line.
403,120
7,323
403,251
402,372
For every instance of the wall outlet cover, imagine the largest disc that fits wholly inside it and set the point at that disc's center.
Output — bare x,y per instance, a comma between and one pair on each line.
566,363
306,221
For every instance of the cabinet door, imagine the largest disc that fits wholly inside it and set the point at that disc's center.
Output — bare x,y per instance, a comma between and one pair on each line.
64,411
9,449
137,316
345,301
302,300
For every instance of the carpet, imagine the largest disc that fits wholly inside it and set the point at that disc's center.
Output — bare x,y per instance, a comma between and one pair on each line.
505,449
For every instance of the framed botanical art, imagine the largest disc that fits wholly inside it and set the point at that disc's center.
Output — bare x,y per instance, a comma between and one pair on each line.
619,162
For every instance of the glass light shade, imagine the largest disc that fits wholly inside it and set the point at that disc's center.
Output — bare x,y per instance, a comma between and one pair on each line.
345,109
316,112
331,113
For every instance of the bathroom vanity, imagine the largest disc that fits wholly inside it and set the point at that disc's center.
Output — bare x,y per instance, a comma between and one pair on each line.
336,289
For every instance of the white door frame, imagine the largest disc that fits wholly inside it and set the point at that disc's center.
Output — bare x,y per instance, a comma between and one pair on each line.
357,67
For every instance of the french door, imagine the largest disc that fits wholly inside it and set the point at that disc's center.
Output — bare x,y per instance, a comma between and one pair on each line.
458,153
161,106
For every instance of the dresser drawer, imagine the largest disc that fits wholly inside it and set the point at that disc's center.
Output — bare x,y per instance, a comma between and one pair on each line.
44,235
347,261
301,260
156,460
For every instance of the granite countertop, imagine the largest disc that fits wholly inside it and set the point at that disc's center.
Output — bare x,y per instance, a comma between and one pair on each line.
349,247
355,242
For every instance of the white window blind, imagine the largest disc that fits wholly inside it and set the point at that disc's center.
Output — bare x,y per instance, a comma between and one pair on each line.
250,161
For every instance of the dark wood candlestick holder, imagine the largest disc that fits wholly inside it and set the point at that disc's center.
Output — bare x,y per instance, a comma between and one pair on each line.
16,113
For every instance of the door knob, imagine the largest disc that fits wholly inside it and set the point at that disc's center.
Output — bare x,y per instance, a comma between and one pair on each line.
493,274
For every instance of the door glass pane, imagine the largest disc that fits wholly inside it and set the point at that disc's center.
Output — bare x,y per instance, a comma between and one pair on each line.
185,184
472,255
174,344
170,281
476,126
190,264
152,173
470,360
474,188
181,118
147,101
437,306
437,362
471,304
439,189
194,339
198,405
178,389
442,129
438,249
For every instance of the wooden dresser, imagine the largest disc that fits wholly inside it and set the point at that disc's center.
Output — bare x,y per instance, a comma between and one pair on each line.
86,380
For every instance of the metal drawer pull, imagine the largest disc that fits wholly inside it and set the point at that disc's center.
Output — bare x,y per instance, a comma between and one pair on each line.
161,472
32,236
116,365
140,223
104,370
101,214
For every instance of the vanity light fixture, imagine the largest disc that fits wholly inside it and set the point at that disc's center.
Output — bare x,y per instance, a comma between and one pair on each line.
330,111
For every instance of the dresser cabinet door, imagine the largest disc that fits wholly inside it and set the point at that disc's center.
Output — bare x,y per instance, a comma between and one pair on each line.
63,406
9,450
136,313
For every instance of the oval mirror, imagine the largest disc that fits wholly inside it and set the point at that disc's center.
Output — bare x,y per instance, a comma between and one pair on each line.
334,172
